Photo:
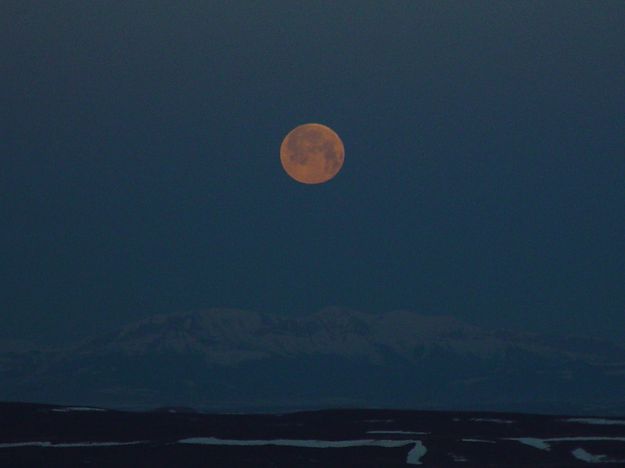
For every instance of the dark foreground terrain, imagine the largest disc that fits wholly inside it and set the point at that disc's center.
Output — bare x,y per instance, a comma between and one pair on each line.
46,435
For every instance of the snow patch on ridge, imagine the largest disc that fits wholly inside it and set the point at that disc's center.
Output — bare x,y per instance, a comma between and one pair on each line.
413,457
532,442
416,453
479,440
543,444
583,455
600,421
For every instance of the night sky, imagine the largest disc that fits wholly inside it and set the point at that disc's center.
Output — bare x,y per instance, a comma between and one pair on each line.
484,170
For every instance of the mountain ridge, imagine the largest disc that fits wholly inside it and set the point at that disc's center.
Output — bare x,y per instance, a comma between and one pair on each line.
225,357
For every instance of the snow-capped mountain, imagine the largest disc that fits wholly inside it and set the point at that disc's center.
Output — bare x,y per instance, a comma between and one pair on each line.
230,359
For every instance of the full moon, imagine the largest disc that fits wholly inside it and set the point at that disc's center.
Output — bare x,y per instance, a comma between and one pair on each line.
312,153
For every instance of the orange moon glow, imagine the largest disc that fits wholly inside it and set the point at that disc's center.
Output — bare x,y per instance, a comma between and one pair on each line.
312,153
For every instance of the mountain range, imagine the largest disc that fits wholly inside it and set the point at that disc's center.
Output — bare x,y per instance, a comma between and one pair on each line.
238,360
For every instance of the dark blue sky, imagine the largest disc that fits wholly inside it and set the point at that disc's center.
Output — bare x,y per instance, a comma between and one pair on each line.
484,173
